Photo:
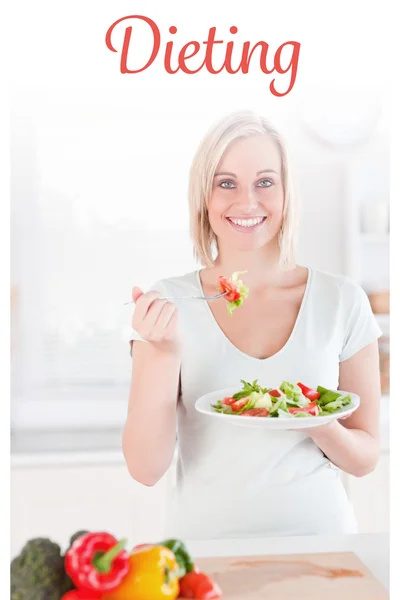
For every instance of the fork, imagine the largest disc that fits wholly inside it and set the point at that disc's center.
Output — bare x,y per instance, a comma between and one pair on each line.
186,298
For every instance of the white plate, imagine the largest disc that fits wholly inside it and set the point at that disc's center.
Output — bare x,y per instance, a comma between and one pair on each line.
203,405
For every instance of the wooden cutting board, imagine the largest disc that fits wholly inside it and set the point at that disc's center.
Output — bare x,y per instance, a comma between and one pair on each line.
331,576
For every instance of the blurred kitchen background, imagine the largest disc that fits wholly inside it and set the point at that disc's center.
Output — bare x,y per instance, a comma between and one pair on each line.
99,179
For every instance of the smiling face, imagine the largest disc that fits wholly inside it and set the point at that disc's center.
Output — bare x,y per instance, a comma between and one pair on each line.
245,209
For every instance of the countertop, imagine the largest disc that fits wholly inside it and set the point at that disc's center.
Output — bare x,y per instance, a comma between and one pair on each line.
37,447
372,549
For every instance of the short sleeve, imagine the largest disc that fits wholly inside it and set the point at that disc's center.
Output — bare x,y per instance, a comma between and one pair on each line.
360,325
134,336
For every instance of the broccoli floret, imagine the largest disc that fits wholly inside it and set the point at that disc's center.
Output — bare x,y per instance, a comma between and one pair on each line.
76,535
38,572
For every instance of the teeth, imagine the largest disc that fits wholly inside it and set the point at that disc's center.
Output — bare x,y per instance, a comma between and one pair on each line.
247,222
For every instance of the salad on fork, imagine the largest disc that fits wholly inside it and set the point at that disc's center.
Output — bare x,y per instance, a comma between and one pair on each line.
234,289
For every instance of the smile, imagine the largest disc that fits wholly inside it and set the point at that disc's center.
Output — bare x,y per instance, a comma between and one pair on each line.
248,224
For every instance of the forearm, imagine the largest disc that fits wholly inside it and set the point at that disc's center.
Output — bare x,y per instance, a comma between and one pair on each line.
353,450
150,431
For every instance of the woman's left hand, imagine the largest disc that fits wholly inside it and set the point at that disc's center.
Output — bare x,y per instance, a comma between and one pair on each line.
325,427
320,428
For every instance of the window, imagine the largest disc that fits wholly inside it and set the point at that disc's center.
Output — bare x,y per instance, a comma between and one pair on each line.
98,205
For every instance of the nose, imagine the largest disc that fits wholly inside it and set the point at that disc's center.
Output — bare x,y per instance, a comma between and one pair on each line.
247,201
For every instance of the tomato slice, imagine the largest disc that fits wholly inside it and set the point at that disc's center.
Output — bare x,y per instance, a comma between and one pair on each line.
228,401
275,393
239,404
226,285
312,395
308,392
233,296
256,412
312,409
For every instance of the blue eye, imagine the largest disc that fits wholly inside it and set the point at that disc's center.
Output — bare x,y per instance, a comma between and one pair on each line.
227,185
265,183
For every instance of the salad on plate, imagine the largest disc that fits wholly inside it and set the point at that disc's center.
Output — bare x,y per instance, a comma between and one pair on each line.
290,400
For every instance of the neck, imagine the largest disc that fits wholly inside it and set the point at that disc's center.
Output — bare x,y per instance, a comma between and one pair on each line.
262,266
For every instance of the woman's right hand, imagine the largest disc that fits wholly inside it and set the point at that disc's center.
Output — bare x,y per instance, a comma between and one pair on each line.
155,320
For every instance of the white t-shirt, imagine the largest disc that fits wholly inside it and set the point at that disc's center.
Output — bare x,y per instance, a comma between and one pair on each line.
237,482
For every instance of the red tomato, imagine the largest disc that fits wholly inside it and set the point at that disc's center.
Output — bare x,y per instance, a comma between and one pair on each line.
198,585
239,404
141,546
226,285
308,392
275,393
187,585
228,400
312,409
208,589
256,412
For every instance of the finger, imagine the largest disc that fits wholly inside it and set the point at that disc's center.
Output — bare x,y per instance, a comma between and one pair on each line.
152,315
143,304
136,293
165,316
171,326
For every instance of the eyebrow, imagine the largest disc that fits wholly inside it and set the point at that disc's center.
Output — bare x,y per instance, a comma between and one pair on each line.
234,176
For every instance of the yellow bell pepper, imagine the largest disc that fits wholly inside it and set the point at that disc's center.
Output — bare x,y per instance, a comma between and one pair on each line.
153,575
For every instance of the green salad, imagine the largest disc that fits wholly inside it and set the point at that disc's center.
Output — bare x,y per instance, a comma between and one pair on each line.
290,400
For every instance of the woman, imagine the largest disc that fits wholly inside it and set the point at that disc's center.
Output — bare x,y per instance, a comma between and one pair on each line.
297,324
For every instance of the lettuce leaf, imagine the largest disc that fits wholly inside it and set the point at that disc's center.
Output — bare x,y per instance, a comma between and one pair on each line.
243,290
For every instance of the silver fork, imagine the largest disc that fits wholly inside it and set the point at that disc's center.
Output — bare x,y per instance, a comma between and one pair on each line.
186,298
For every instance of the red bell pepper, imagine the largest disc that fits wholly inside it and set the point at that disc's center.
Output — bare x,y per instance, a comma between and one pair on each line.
97,562
81,595
199,586
275,393
308,392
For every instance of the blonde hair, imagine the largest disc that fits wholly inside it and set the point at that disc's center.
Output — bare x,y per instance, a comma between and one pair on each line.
238,125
